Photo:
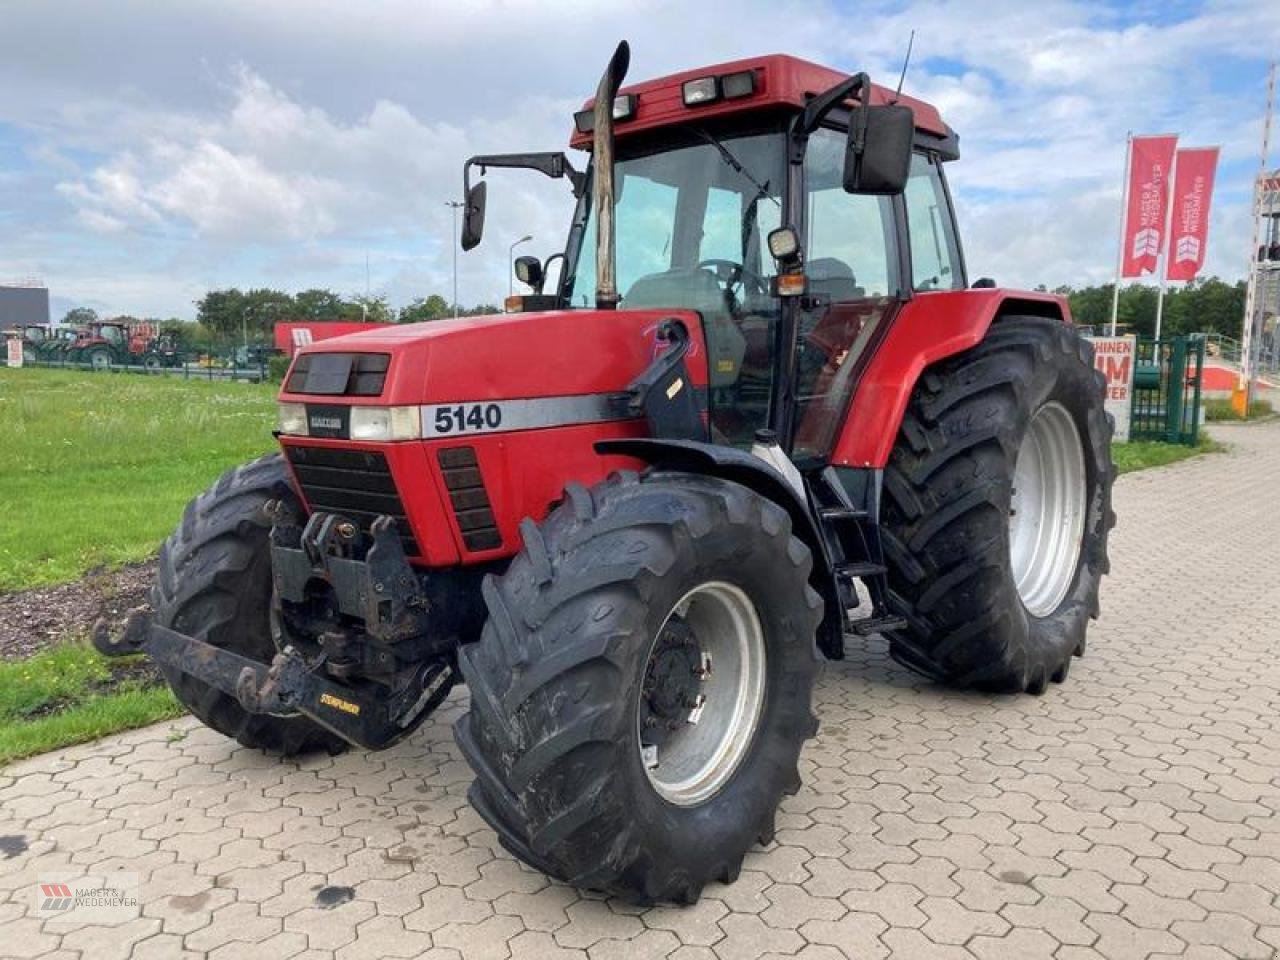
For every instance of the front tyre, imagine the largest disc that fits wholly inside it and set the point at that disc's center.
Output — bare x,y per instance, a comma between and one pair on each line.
996,510
642,689
213,583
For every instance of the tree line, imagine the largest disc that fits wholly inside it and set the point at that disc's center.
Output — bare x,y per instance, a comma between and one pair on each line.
233,316
236,312
1208,305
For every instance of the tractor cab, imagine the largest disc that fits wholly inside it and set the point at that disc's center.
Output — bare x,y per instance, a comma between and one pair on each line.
739,193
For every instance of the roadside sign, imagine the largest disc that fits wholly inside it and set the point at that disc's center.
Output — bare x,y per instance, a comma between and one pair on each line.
1114,356
14,354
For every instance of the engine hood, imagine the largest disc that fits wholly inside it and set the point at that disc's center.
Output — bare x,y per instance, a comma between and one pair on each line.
510,356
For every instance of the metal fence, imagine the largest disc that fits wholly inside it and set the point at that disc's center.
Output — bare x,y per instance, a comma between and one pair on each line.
193,370
1166,390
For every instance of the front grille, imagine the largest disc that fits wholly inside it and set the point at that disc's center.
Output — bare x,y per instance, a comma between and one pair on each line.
355,483
470,500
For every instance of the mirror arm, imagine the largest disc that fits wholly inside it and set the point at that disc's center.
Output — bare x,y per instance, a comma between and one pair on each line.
554,165
821,105
825,102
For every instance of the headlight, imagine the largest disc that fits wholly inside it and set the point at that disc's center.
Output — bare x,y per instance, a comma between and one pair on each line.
386,423
291,418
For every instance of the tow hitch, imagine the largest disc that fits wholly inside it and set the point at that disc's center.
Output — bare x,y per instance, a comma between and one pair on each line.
322,680
367,717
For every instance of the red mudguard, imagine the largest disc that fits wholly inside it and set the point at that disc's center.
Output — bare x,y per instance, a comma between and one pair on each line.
930,327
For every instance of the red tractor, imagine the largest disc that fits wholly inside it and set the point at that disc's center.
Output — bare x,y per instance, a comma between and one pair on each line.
110,343
632,514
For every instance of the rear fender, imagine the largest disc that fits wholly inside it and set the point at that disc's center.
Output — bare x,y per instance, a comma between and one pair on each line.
929,328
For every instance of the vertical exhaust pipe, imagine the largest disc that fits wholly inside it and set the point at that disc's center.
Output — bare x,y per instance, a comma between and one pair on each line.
607,296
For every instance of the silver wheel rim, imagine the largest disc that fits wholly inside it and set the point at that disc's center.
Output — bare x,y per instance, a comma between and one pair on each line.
699,758
100,361
1046,510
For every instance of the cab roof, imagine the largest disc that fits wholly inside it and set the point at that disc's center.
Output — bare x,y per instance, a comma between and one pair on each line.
780,81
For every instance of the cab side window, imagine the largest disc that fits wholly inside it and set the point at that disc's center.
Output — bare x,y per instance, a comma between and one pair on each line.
935,255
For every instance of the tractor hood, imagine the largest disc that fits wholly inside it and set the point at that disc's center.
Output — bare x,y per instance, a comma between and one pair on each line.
504,357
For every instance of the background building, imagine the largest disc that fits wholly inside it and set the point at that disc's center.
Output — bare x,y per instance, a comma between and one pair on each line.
22,302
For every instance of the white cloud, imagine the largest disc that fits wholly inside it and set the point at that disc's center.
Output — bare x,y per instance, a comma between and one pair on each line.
279,143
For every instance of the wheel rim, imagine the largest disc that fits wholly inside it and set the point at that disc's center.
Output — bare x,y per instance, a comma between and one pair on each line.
100,361
1046,510
693,735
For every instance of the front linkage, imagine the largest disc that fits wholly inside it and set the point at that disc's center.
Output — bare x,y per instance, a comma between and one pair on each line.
371,684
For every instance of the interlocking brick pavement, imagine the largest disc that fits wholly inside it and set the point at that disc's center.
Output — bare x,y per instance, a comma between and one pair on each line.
1132,813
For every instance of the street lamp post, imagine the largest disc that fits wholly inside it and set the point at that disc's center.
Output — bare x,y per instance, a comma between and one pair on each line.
455,204
511,263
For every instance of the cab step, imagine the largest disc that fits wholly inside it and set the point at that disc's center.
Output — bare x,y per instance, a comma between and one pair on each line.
861,568
870,625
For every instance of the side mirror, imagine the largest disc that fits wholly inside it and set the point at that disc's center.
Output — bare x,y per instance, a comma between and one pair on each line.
529,271
473,216
877,159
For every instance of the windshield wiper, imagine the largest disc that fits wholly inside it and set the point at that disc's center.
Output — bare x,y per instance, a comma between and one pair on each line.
762,190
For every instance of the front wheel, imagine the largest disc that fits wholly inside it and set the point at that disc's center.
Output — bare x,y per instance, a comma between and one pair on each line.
642,689
997,506
213,582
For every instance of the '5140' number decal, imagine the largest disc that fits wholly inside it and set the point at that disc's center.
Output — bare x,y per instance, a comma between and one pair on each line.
467,418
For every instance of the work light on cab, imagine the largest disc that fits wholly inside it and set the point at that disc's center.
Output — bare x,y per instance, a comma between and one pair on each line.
624,108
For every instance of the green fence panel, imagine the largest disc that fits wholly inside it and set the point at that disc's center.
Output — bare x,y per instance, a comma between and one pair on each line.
1166,390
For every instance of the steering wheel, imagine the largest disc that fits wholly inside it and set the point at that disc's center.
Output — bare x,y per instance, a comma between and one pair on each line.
731,274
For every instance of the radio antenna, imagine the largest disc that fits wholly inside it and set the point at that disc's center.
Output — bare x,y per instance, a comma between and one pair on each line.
905,62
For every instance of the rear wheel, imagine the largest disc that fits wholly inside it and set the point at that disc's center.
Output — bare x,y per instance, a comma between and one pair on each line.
997,506
642,689
100,359
214,584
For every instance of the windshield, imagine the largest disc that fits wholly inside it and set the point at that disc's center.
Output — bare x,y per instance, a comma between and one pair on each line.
680,208
690,229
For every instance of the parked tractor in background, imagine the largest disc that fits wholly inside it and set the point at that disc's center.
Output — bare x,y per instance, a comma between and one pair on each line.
633,514
105,344
44,344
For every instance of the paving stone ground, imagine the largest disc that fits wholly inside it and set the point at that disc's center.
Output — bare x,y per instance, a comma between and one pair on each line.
1132,813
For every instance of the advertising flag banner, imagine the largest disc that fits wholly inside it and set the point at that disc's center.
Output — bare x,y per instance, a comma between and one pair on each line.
1150,162
1189,230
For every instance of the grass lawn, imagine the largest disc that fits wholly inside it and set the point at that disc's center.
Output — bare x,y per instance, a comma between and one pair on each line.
97,467
1216,408
70,694
1142,454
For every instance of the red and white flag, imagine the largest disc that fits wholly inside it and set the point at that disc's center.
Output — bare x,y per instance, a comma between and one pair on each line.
1150,162
1189,230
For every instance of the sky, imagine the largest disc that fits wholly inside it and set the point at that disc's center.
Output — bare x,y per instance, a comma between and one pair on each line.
150,151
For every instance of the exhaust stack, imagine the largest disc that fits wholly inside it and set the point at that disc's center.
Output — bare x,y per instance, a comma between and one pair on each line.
607,296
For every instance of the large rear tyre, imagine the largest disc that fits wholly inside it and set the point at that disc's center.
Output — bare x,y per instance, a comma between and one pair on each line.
214,583
641,692
996,510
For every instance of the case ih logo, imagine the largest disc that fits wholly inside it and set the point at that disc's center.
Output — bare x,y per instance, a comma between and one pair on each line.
57,896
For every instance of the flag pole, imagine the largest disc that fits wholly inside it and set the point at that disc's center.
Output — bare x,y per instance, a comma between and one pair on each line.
1162,264
1124,213
1244,386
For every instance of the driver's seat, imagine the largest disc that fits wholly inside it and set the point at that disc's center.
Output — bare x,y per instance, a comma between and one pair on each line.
697,289
692,288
